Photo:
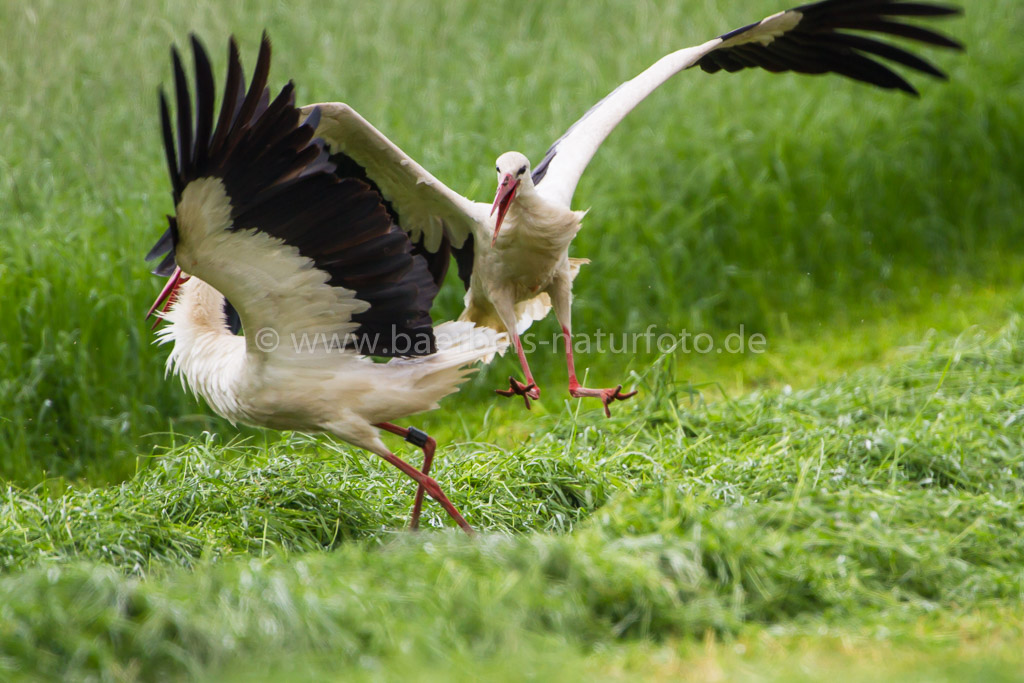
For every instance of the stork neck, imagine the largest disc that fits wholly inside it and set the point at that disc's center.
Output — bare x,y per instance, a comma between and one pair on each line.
209,358
534,222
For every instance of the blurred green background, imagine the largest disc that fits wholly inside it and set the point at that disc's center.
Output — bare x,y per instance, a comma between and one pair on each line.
791,205
861,231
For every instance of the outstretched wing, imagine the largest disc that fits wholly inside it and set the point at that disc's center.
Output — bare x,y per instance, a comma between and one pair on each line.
439,220
264,216
810,39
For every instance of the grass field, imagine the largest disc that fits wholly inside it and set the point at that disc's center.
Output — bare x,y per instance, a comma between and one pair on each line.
849,503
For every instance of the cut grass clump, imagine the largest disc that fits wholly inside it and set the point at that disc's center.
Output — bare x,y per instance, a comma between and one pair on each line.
190,504
771,509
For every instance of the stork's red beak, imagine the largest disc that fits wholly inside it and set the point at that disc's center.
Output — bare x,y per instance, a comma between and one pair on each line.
502,200
167,294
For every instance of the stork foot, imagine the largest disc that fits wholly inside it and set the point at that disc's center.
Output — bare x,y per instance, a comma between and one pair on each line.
606,395
517,388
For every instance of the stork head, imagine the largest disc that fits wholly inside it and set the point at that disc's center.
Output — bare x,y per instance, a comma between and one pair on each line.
167,293
513,175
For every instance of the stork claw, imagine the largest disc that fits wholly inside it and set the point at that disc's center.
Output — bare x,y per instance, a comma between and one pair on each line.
516,388
606,395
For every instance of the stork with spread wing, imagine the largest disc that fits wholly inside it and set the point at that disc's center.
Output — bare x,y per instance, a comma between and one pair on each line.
513,254
268,231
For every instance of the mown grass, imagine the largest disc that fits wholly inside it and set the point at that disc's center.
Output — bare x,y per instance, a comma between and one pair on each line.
779,515
876,500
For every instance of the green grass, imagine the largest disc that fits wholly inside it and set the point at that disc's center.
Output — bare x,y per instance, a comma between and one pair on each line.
865,505
847,504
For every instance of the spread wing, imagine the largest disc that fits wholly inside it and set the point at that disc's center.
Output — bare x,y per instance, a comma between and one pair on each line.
264,216
811,39
439,220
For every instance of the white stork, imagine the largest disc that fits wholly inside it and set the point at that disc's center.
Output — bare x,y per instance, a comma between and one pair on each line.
512,254
313,266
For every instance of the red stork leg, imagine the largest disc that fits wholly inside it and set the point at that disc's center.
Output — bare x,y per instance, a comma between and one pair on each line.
433,490
516,388
576,391
425,443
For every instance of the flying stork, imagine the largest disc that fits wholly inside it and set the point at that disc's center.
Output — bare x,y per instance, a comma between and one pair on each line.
512,254
270,232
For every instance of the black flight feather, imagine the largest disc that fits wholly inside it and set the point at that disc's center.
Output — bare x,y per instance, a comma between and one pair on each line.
437,261
818,43
281,181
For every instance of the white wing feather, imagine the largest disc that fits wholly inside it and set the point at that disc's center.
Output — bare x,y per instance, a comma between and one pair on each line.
276,290
425,205
579,144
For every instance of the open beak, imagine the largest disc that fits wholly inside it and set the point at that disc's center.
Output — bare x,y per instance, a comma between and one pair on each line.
502,200
167,294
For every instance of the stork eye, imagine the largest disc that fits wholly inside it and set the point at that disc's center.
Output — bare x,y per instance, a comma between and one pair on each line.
521,171
498,169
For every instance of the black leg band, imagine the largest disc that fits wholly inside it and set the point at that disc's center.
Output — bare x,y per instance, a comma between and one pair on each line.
417,437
